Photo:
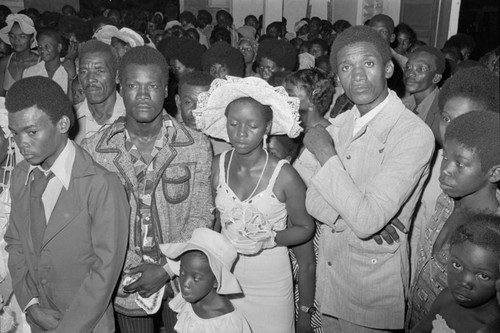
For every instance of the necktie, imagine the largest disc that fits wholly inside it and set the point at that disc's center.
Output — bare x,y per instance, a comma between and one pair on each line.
37,212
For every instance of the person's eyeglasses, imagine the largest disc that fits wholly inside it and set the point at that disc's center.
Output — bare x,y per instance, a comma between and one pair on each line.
419,68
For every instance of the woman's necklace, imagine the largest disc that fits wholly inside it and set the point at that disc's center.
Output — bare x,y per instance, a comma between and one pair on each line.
260,178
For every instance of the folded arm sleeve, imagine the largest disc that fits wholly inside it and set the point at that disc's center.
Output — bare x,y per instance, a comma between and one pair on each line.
367,212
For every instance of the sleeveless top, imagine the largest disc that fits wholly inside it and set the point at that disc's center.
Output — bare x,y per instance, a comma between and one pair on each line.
8,80
254,218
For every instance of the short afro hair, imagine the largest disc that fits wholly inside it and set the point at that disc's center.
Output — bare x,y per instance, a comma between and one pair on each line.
316,84
186,50
197,79
321,42
462,41
224,54
481,229
143,55
276,25
220,34
440,59
478,131
43,93
280,51
477,84
204,17
359,34
94,46
386,20
53,33
341,25
188,17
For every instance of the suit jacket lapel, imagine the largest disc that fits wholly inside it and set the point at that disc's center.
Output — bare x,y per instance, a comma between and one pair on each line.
66,209
68,203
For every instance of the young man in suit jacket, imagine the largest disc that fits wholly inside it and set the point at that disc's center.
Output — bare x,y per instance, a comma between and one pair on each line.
67,239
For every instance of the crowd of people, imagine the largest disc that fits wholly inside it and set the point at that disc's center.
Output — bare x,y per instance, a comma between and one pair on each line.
161,172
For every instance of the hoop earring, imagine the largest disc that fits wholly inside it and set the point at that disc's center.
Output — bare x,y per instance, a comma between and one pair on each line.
264,142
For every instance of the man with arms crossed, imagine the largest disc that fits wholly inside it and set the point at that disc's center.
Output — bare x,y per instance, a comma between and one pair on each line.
374,164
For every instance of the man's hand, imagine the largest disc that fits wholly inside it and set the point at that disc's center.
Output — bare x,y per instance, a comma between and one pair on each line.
46,319
389,233
153,277
319,142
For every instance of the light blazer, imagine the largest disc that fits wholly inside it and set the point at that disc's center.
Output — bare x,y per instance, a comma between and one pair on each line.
83,247
378,175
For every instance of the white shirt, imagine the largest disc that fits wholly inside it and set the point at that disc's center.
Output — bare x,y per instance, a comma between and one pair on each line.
87,123
61,169
60,75
359,121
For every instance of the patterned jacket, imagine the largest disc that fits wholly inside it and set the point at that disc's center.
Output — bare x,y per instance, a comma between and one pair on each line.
182,199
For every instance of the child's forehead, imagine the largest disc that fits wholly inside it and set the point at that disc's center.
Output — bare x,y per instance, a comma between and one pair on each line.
475,255
454,145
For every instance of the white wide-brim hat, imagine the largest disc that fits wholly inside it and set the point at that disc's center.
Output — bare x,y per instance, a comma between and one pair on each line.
220,252
211,106
129,36
26,24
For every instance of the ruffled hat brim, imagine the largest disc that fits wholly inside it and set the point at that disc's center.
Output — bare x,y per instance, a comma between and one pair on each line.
211,106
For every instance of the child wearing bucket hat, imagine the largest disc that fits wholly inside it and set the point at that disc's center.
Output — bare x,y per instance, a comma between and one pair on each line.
260,199
204,267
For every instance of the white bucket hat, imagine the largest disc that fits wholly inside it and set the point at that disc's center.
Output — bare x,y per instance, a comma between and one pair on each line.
220,252
211,106
26,24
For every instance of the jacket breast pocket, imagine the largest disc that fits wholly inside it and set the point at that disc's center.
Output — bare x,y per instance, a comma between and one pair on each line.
177,182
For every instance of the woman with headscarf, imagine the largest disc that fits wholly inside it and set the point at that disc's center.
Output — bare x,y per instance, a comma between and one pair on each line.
20,34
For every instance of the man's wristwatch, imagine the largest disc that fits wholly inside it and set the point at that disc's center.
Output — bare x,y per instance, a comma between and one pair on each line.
309,310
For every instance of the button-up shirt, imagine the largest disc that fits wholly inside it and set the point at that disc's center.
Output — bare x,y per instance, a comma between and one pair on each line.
62,174
87,124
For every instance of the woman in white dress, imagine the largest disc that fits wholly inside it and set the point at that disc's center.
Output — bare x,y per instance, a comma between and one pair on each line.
260,199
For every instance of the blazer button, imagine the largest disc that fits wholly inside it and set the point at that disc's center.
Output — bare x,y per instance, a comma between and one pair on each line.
348,157
43,281
329,263
374,261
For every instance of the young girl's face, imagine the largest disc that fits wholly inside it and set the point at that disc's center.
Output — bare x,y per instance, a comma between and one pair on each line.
246,126
461,171
196,277
472,273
